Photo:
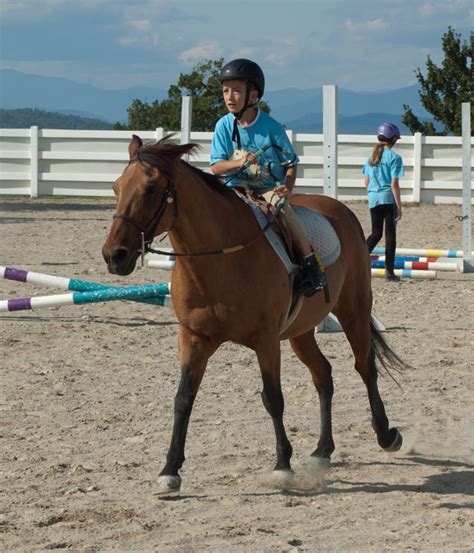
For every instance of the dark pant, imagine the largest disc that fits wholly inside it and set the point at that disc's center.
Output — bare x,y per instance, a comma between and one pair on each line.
379,215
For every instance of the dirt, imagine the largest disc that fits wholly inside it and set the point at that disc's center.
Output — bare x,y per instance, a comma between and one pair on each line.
87,402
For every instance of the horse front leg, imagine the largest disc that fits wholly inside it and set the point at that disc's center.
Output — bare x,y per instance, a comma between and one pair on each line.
268,355
194,354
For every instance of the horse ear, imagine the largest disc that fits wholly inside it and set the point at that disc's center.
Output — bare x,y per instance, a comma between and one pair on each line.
134,146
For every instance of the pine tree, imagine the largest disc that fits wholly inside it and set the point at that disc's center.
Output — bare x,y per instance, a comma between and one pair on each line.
202,84
445,88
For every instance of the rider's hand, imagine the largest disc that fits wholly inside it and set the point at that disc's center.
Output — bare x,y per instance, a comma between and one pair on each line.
249,159
399,214
282,191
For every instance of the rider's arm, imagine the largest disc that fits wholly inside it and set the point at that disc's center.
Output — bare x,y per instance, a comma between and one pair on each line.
291,177
227,166
286,189
396,194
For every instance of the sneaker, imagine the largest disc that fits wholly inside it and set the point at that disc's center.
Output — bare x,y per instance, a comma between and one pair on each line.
392,276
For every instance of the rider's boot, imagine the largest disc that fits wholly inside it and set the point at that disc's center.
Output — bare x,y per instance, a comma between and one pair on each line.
312,278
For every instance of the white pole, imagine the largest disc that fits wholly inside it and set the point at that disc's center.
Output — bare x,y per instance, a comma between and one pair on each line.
186,117
417,167
468,261
34,162
330,140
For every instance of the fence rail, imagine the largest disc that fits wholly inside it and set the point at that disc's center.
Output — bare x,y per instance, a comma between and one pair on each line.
42,162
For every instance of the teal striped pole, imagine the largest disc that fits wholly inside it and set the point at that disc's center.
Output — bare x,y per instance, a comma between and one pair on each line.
159,291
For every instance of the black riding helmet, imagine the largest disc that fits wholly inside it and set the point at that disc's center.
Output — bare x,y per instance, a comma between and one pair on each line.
244,70
250,72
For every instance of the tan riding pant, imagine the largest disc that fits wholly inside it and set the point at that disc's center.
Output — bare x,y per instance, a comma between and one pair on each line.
294,226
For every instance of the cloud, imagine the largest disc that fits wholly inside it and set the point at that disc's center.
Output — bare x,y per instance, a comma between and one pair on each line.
436,8
204,50
140,25
32,9
358,27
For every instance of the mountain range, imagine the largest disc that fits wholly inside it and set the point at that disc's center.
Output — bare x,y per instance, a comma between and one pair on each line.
298,109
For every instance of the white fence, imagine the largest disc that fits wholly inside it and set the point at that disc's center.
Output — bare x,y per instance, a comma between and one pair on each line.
42,162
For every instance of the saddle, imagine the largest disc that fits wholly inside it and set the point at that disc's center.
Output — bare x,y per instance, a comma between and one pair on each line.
319,231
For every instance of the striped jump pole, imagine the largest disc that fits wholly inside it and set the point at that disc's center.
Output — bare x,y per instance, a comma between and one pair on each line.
418,265
407,273
63,283
158,291
164,264
419,251
162,261
409,258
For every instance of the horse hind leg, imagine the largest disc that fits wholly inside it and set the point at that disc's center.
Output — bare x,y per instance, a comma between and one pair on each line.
308,352
367,344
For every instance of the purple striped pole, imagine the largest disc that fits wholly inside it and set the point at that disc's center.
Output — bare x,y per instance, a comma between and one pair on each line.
75,285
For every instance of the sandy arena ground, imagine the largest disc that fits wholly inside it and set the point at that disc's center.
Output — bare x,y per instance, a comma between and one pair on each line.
87,400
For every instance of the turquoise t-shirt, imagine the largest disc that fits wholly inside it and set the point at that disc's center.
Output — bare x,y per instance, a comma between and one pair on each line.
380,176
264,130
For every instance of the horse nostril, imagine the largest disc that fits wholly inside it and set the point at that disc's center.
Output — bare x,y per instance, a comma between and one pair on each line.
119,256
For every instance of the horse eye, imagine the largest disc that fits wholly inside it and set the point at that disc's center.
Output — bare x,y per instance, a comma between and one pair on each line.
151,189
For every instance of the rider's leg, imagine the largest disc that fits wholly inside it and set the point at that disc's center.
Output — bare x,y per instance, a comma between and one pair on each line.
313,277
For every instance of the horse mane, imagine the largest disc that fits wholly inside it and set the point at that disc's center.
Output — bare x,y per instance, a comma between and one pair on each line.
163,154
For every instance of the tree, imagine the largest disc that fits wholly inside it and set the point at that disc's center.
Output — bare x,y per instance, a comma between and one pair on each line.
202,84
445,88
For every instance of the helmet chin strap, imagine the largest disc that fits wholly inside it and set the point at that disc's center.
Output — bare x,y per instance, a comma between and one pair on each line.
238,116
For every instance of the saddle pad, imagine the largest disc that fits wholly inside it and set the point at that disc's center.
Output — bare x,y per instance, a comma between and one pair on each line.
320,233
318,229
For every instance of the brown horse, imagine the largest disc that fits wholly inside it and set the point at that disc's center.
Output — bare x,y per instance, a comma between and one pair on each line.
243,296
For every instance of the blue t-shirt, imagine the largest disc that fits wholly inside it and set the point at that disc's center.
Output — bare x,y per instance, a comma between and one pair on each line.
380,176
263,131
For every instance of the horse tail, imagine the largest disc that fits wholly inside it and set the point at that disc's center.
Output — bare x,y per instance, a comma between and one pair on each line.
385,355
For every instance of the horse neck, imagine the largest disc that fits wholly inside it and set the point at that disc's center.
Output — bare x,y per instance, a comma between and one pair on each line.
206,219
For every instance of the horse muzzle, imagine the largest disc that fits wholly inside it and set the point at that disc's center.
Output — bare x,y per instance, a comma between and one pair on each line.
120,261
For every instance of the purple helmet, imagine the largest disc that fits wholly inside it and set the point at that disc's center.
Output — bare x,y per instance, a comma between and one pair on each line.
388,131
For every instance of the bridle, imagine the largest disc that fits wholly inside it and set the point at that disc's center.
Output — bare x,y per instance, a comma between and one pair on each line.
148,232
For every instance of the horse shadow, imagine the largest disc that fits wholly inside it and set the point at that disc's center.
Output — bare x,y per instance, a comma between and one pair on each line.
54,206
447,483
136,322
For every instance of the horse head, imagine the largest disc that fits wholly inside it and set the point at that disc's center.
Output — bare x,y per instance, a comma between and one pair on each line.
145,194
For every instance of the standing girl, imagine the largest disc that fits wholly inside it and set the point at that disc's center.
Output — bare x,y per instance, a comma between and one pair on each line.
382,171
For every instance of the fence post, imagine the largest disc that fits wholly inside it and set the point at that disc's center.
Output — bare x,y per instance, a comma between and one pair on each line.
330,140
468,262
34,162
417,167
159,133
186,117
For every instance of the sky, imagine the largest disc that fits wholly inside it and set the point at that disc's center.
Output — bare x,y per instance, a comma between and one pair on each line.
356,44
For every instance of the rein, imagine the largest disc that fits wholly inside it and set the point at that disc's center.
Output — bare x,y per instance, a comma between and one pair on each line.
169,197
221,251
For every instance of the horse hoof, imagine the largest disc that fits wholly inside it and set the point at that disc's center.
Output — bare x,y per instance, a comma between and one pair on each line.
319,463
396,443
283,478
167,484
